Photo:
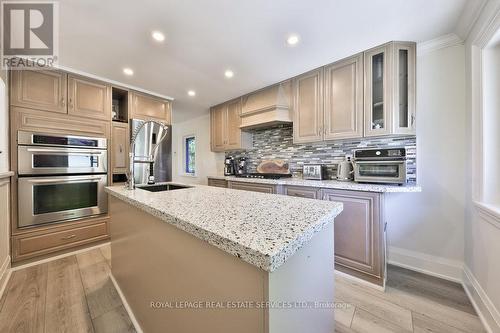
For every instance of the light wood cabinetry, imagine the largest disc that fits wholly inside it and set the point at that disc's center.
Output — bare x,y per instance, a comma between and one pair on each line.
262,188
41,89
308,107
359,234
48,241
119,147
88,98
217,182
225,132
343,110
147,107
390,89
302,192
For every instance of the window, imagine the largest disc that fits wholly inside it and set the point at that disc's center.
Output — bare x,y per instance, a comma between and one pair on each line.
190,155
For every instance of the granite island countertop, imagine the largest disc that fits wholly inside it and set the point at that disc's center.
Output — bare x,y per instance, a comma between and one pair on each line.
262,229
330,184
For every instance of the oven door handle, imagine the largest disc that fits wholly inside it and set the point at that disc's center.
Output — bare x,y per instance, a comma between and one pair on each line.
65,152
60,181
381,162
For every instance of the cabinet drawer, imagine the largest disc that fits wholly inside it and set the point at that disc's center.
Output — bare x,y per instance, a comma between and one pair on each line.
26,246
302,192
217,182
263,188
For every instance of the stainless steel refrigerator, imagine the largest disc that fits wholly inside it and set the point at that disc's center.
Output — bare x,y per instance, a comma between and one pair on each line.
146,140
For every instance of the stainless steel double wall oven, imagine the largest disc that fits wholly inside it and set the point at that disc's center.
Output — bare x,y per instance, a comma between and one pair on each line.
60,177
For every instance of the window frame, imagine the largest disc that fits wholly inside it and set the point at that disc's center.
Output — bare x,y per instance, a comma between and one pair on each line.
185,155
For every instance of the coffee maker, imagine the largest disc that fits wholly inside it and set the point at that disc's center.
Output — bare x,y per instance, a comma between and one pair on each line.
229,166
242,166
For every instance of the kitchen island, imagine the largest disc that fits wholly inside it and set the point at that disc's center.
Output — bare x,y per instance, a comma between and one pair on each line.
207,259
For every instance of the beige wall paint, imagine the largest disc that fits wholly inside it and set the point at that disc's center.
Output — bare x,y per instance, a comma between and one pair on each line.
207,162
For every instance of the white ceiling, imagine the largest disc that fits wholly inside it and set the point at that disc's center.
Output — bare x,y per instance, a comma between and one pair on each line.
203,38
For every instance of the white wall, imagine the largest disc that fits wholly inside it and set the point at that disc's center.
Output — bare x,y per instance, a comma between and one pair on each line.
207,163
426,230
482,229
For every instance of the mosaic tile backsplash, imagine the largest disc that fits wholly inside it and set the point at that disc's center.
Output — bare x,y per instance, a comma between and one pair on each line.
277,143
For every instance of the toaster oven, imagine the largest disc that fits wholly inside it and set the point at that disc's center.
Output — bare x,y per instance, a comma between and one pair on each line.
386,166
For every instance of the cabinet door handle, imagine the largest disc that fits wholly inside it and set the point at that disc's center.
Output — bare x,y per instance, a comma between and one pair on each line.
63,102
68,237
121,149
70,103
412,119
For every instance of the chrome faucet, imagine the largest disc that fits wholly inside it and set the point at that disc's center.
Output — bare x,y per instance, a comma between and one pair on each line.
150,159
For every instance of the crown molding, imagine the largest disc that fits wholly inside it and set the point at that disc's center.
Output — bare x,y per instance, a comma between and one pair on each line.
470,14
438,43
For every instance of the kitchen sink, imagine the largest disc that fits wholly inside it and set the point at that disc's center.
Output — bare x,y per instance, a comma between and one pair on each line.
162,187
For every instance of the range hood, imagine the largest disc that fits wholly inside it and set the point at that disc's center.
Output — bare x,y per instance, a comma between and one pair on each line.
267,107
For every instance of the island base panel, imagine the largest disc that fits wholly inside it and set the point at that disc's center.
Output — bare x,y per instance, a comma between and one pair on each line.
165,273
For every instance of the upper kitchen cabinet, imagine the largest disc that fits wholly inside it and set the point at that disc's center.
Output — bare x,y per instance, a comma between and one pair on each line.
147,107
88,98
267,107
44,90
308,107
225,131
405,87
390,89
343,110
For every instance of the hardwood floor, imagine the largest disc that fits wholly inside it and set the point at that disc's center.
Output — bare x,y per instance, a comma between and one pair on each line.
75,294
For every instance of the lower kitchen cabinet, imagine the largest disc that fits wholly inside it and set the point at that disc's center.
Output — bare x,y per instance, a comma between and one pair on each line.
359,234
302,192
61,237
263,188
217,182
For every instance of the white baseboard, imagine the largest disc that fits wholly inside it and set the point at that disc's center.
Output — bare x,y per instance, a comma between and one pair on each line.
443,268
5,273
488,313
126,305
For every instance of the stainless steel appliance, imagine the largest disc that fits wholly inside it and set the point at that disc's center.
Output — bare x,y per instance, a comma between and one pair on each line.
229,166
345,170
242,166
314,171
61,177
259,175
146,146
380,165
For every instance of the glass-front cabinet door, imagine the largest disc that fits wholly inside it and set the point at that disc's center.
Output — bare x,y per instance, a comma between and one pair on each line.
377,91
404,88
390,89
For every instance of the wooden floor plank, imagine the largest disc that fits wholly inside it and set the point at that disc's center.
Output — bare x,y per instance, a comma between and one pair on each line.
424,324
365,322
66,309
344,312
114,321
99,290
24,307
339,328
443,292
106,252
90,258
376,306
419,304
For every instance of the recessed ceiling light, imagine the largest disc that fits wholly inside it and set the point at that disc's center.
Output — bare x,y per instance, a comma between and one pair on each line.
229,73
191,93
158,36
128,71
292,40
